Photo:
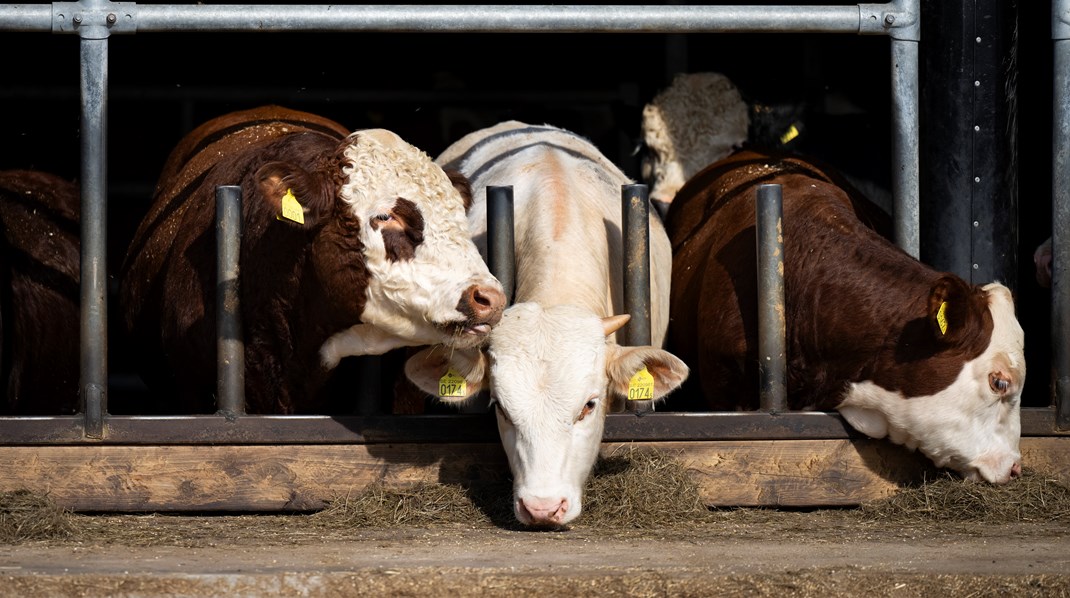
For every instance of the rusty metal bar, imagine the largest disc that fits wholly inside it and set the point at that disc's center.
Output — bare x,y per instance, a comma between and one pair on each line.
772,330
230,344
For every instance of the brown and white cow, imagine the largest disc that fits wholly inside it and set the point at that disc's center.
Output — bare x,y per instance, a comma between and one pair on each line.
553,365
900,350
39,293
373,254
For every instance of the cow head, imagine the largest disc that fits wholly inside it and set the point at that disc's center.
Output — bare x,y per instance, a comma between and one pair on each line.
553,374
696,121
392,246
972,425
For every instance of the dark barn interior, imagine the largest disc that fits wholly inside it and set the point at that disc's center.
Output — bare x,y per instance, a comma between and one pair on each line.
432,88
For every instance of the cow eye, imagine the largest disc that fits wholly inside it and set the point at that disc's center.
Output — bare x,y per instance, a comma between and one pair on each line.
998,382
588,407
384,217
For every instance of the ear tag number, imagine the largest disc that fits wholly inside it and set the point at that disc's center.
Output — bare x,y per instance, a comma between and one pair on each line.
941,317
291,208
641,386
452,385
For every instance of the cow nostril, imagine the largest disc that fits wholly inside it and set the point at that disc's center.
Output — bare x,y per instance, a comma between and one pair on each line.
1016,470
487,302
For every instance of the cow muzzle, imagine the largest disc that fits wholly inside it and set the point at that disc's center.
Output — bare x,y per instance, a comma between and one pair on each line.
541,512
482,306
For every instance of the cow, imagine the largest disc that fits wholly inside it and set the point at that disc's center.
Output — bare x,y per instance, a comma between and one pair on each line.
553,364
900,350
354,243
698,119
39,293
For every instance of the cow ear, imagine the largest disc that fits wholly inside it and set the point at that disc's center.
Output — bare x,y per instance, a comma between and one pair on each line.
294,195
452,375
954,309
625,367
463,186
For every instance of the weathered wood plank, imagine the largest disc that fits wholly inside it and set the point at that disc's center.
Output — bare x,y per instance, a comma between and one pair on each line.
305,477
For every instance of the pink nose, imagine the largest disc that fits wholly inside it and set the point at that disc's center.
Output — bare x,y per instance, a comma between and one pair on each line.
482,304
1016,470
541,511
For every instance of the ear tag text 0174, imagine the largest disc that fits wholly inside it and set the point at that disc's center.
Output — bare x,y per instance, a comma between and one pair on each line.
452,384
641,386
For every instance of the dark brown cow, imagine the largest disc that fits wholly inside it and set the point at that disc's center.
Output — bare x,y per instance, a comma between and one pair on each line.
39,294
900,350
381,260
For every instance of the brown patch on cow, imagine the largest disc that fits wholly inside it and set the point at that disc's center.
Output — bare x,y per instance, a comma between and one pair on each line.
39,293
463,186
858,307
402,229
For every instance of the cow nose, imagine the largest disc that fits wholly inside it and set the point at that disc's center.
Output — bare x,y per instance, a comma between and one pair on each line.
542,511
1016,470
484,304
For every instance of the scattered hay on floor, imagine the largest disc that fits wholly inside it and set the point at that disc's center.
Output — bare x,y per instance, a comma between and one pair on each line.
28,516
421,504
1034,497
642,488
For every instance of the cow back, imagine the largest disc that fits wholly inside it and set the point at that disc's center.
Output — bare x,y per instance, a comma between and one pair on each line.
39,292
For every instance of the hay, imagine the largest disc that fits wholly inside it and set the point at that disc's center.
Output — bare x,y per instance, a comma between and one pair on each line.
1034,497
636,488
421,504
28,516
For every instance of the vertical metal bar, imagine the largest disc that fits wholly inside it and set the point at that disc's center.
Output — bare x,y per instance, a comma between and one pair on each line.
905,142
1060,242
230,346
501,258
93,294
635,225
772,329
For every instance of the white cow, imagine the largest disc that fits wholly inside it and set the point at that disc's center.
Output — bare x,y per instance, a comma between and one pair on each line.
697,120
553,364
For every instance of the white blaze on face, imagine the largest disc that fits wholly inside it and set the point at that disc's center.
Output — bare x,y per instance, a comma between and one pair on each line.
972,426
415,298
548,368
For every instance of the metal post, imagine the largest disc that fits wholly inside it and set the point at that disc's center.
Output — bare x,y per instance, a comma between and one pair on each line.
905,140
1060,222
635,224
94,308
772,342
501,258
230,361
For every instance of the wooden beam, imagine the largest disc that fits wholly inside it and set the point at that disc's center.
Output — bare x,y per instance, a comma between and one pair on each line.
306,477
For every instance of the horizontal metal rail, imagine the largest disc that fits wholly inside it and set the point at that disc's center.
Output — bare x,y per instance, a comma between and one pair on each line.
453,428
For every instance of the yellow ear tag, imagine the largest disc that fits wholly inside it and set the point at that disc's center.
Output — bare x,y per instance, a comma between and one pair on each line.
788,135
641,386
941,317
291,208
452,385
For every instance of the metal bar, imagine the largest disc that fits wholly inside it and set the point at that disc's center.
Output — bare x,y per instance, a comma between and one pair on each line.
462,428
635,228
230,344
501,257
1060,241
772,329
94,301
906,188
499,18
635,222
131,17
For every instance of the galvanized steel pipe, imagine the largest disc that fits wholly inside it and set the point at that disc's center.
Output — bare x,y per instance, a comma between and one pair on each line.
230,345
772,329
501,252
